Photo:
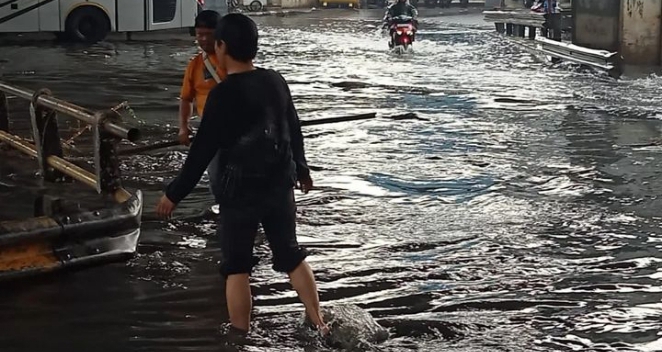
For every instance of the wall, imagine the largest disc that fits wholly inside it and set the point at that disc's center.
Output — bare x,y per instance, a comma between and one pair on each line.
221,6
640,35
512,4
492,4
596,23
297,3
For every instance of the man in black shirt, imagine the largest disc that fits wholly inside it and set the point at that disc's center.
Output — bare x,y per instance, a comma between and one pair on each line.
251,119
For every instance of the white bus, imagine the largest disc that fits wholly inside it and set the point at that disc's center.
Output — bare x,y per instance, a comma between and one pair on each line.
91,21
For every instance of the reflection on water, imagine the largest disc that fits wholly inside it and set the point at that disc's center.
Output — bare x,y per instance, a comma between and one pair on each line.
516,218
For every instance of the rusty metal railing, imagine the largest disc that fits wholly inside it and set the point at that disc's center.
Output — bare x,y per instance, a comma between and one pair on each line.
106,126
58,237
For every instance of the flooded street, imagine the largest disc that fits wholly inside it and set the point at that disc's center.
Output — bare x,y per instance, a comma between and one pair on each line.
513,216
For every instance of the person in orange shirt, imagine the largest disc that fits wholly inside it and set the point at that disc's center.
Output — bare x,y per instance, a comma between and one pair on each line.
202,73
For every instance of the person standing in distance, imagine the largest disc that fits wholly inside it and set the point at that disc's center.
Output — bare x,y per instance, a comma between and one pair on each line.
202,74
251,119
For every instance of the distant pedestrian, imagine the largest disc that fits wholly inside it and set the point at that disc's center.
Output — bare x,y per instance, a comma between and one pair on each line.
202,74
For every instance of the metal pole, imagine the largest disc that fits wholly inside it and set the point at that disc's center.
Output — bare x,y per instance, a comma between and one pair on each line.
121,195
46,138
80,113
4,112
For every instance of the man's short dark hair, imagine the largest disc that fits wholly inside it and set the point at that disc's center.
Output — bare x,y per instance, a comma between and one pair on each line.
207,19
239,33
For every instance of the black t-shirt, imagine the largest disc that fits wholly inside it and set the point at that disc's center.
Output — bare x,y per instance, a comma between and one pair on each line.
243,117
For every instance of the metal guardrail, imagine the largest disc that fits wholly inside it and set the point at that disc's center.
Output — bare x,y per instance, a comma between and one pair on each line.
515,24
601,59
106,127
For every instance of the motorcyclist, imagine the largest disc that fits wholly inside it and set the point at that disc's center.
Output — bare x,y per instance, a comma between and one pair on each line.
400,8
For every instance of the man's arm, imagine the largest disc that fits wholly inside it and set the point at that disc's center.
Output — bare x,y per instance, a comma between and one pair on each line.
185,112
296,137
414,12
186,96
296,143
207,143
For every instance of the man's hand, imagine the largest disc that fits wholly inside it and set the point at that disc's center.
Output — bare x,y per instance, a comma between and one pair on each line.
183,136
165,207
305,184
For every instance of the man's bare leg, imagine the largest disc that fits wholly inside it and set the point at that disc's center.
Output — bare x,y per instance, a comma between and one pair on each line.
238,295
303,281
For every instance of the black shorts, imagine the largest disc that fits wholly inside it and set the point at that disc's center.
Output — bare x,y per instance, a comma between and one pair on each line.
238,226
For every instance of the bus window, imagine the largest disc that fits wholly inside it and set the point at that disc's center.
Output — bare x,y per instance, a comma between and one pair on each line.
164,10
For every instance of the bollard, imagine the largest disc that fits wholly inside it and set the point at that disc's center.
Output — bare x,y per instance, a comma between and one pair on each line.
552,28
4,113
46,137
555,20
509,29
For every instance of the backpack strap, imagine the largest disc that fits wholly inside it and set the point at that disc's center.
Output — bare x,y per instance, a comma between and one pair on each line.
210,67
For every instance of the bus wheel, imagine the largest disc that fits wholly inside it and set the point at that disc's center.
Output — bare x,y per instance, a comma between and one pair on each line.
87,24
255,6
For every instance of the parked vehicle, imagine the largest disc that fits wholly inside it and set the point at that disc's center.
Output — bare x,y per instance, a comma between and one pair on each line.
92,21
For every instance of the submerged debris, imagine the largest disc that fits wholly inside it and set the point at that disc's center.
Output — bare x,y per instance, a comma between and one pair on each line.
352,328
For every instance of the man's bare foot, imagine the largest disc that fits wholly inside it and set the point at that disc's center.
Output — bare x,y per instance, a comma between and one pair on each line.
324,330
318,322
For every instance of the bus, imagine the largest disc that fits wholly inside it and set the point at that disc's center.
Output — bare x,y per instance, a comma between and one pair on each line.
92,21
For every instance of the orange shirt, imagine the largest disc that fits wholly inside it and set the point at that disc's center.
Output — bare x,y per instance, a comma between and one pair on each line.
198,81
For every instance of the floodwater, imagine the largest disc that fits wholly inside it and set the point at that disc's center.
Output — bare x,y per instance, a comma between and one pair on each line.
516,215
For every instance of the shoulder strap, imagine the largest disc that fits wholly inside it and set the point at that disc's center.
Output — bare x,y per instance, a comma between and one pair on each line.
210,68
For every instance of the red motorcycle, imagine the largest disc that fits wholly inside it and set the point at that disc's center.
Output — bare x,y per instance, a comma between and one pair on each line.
402,31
